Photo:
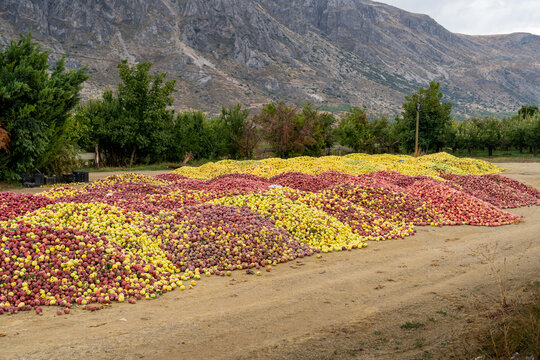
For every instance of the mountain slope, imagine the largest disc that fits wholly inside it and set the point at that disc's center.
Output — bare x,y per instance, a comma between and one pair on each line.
332,52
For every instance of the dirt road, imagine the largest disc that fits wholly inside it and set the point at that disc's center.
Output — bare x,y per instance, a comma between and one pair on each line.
344,305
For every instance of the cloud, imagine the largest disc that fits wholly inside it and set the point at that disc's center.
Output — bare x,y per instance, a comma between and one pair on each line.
478,17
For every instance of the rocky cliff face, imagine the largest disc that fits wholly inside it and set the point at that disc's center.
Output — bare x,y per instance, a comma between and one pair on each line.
332,52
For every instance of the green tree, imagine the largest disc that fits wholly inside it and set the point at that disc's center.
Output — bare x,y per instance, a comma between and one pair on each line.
467,136
315,130
278,124
434,119
144,99
532,138
198,136
106,126
515,129
241,132
133,123
36,101
527,111
381,135
353,130
490,133
450,135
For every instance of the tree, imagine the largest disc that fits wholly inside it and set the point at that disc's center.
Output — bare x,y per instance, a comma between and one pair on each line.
241,132
532,138
36,100
527,111
467,136
490,133
134,122
143,99
315,130
291,132
278,123
434,119
450,135
353,130
515,129
198,136
106,126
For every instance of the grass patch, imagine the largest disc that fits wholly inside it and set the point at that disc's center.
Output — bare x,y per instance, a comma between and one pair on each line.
412,325
419,342
499,155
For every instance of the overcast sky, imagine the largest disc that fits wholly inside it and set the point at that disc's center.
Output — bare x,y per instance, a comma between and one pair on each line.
478,17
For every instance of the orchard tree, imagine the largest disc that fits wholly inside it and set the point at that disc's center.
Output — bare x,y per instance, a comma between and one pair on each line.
241,132
134,120
527,111
104,124
144,99
190,135
516,131
490,133
278,123
467,136
353,130
533,133
36,100
316,130
434,119
450,135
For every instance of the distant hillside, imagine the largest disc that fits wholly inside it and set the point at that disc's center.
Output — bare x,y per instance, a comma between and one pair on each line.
330,52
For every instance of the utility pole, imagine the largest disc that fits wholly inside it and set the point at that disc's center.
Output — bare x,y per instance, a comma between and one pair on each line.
418,108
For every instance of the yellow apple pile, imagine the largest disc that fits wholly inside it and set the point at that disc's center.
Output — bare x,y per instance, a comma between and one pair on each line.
354,164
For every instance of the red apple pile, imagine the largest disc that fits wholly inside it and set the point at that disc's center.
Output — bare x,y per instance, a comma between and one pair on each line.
516,185
458,207
493,190
235,184
334,178
13,205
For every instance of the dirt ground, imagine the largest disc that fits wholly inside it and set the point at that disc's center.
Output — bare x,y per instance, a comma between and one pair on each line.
345,305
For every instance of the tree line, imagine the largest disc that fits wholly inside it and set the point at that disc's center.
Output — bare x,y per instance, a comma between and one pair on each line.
293,130
43,125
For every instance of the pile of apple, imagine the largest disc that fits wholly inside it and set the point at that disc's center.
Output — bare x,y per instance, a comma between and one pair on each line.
305,224
497,190
353,164
215,238
130,237
364,222
44,266
458,207
13,205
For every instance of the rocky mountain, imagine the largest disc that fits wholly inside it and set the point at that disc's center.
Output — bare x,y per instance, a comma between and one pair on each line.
331,52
